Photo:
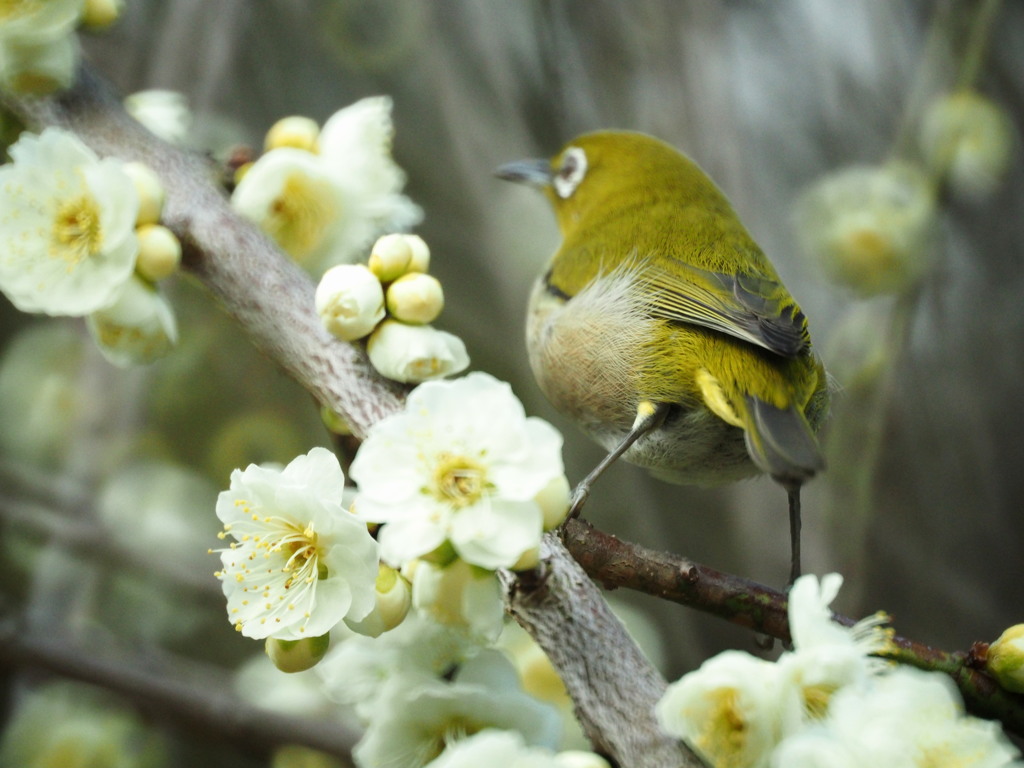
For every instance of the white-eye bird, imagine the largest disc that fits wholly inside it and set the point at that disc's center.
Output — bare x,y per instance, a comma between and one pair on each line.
660,327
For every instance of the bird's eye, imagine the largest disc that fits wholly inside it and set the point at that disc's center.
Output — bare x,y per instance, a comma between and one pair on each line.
571,172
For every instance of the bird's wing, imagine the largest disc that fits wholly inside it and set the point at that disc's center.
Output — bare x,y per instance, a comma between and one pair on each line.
749,306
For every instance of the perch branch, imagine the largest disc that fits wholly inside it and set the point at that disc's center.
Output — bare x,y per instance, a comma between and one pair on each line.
616,563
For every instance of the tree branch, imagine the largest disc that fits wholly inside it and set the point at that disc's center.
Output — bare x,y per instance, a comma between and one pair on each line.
192,701
609,679
617,563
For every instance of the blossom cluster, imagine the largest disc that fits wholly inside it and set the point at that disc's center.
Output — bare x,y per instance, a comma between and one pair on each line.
828,702
38,47
429,694
80,236
457,485
869,226
323,194
391,301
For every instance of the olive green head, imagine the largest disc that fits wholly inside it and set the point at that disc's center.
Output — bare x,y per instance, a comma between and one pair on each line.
598,174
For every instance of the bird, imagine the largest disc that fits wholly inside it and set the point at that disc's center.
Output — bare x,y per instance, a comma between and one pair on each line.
662,330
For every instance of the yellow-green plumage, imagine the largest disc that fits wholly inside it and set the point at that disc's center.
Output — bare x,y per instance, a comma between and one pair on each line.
658,293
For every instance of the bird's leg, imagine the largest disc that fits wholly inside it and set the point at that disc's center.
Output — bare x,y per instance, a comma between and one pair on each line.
649,416
793,490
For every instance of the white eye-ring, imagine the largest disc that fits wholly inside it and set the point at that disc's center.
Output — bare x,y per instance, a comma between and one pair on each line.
571,172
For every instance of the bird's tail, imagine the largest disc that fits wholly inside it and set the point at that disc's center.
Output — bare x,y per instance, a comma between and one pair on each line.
781,442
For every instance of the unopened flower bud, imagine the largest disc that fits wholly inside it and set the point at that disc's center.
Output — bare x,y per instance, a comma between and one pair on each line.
415,353
553,501
420,261
415,298
149,189
297,655
390,257
967,139
1006,659
159,252
163,113
869,226
528,561
334,421
100,14
394,598
350,301
294,131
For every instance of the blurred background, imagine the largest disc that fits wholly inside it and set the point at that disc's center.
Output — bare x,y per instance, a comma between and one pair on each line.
108,478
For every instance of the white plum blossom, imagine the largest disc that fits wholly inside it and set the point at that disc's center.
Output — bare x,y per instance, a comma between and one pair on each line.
356,671
415,353
355,143
323,208
495,749
416,717
67,226
826,655
38,67
164,113
138,328
295,199
300,562
727,710
908,718
38,50
460,595
461,464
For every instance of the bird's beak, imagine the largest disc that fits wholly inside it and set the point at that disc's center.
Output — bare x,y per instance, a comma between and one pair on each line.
535,173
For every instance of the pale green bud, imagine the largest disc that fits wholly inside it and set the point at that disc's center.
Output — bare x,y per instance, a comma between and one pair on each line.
159,252
100,14
393,601
390,257
294,131
420,261
528,560
967,139
553,501
297,655
149,189
334,421
415,298
1006,659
